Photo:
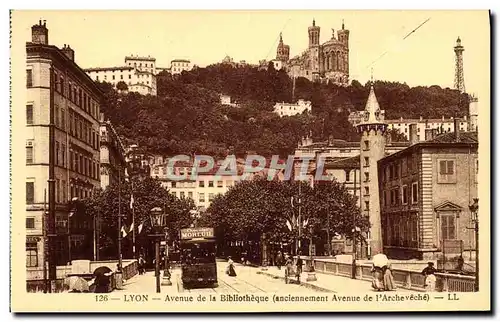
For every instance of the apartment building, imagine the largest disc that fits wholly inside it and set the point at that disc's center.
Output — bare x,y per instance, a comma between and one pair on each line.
425,192
62,143
112,155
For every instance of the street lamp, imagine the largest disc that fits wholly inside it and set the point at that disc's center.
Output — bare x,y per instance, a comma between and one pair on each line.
157,217
166,273
475,219
311,275
356,230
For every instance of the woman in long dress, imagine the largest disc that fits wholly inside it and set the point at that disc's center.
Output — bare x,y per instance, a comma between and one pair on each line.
230,267
389,284
377,282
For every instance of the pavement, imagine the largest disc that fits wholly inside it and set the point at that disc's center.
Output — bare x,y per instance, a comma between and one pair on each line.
325,282
248,280
251,280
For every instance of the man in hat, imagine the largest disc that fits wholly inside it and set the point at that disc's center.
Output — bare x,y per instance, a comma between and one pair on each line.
430,277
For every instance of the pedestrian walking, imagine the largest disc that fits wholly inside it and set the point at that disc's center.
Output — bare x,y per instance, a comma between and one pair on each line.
279,260
389,284
430,277
141,263
230,267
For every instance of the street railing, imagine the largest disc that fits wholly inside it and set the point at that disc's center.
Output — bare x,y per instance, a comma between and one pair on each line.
403,278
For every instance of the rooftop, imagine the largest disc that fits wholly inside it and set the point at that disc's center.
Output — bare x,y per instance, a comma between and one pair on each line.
132,57
98,69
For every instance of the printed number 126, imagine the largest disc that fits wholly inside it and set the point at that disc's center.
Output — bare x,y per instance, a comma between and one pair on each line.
101,298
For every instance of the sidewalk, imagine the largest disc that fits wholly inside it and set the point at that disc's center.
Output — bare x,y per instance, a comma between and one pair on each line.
326,282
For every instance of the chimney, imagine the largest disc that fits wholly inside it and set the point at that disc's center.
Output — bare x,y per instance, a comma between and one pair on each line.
70,53
413,134
429,134
40,33
456,128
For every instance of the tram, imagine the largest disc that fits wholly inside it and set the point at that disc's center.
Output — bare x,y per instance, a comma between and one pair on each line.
198,262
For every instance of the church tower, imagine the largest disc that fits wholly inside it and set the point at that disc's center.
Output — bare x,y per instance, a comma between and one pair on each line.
314,49
283,51
343,37
372,129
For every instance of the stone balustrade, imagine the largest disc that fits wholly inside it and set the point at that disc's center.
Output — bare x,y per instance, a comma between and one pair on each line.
404,278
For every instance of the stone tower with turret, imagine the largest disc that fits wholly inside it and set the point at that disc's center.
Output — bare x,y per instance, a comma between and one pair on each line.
314,50
373,140
283,51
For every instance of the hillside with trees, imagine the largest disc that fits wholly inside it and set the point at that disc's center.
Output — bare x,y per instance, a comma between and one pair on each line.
187,117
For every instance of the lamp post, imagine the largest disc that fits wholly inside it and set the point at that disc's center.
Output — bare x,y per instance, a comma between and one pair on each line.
157,217
355,231
166,273
311,275
475,219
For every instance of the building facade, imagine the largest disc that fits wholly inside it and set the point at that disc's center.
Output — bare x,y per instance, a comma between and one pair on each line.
290,109
138,73
177,66
442,125
112,154
62,143
328,61
426,191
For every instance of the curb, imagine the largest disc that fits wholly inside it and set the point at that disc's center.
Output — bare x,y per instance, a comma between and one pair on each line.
302,283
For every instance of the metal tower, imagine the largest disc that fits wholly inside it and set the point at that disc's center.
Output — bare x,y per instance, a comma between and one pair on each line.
459,67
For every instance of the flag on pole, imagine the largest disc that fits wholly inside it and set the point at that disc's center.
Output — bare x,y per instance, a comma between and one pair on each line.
124,231
139,229
131,227
131,201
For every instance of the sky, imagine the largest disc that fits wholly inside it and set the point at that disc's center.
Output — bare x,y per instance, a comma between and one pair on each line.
426,57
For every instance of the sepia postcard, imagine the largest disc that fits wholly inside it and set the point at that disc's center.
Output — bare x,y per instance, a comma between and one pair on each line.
250,161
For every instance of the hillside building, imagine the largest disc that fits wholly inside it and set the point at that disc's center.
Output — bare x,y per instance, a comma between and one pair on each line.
328,61
290,109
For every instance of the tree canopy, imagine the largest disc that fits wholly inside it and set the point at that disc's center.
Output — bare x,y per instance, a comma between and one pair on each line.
147,194
252,208
187,117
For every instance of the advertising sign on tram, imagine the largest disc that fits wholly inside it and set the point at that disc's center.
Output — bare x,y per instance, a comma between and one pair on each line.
204,232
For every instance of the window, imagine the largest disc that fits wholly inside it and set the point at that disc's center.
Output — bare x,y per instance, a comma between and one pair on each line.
30,192
404,195
367,145
174,184
63,150
367,176
447,171
190,194
367,191
29,154
201,184
414,192
113,77
219,184
31,255
29,78
367,205
56,116
201,197
477,169
30,223
396,171
63,119
367,162
348,175
29,114
210,197
57,153
182,194
448,226
64,195
446,167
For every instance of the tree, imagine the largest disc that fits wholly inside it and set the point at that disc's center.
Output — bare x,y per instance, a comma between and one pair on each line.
147,194
122,86
252,208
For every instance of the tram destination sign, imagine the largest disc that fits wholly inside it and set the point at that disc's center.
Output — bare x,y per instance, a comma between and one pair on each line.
189,233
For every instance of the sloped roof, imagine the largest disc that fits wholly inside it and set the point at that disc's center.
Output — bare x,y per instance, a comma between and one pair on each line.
463,137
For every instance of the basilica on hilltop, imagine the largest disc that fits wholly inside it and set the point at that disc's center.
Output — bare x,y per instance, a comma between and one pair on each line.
328,62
